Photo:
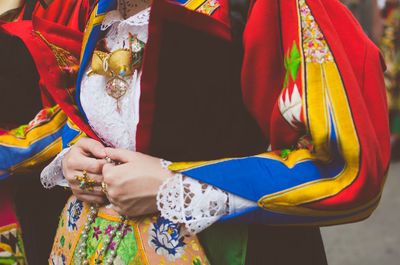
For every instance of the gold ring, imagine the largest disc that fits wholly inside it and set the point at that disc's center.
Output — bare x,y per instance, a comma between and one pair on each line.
108,160
115,162
86,183
104,188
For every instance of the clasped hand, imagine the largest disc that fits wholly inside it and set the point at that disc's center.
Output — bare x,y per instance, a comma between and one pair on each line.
132,184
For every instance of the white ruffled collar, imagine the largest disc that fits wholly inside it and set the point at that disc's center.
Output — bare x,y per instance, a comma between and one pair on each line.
120,27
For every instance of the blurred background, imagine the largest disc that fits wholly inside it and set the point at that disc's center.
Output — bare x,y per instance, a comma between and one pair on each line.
376,240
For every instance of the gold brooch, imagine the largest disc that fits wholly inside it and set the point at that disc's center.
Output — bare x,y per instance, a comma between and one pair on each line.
117,65
86,183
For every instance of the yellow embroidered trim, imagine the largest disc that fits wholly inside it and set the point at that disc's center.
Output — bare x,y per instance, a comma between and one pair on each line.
36,134
140,244
51,151
194,4
208,7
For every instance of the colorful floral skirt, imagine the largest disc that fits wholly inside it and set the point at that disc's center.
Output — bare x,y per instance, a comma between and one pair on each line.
146,240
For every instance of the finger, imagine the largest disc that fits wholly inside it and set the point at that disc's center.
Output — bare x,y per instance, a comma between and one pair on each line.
92,146
98,178
108,172
120,155
90,185
91,198
114,177
81,162
117,208
97,191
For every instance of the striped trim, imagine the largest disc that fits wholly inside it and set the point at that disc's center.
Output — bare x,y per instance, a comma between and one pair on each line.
36,133
94,20
41,142
207,7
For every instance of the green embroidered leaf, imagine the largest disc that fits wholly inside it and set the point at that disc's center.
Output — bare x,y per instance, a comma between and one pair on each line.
62,241
20,131
292,64
285,63
196,262
285,152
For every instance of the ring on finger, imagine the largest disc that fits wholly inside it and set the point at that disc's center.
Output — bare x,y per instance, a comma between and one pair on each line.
104,188
86,183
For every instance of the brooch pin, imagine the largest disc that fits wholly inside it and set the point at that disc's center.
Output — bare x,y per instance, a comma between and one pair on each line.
118,65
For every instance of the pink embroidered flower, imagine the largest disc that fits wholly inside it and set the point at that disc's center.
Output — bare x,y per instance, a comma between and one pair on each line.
108,230
96,232
316,49
111,245
126,230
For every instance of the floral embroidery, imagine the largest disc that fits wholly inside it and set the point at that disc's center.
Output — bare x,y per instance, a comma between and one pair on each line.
126,230
208,7
62,241
74,213
111,245
167,239
65,60
42,117
108,230
290,106
96,232
316,49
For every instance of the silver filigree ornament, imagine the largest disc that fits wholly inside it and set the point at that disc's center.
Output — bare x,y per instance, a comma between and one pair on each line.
116,88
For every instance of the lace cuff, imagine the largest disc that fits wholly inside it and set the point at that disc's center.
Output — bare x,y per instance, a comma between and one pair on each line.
196,205
52,175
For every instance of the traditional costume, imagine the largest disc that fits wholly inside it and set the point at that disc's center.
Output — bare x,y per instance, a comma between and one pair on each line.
292,91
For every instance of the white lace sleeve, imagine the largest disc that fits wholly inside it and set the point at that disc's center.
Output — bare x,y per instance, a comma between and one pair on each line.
52,174
196,205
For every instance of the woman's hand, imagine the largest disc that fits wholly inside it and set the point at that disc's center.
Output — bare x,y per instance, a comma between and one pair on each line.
132,186
85,155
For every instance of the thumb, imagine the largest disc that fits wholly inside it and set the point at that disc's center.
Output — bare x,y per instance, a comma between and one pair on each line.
120,155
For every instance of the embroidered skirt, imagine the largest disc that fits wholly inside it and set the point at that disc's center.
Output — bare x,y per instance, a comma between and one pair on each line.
146,240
